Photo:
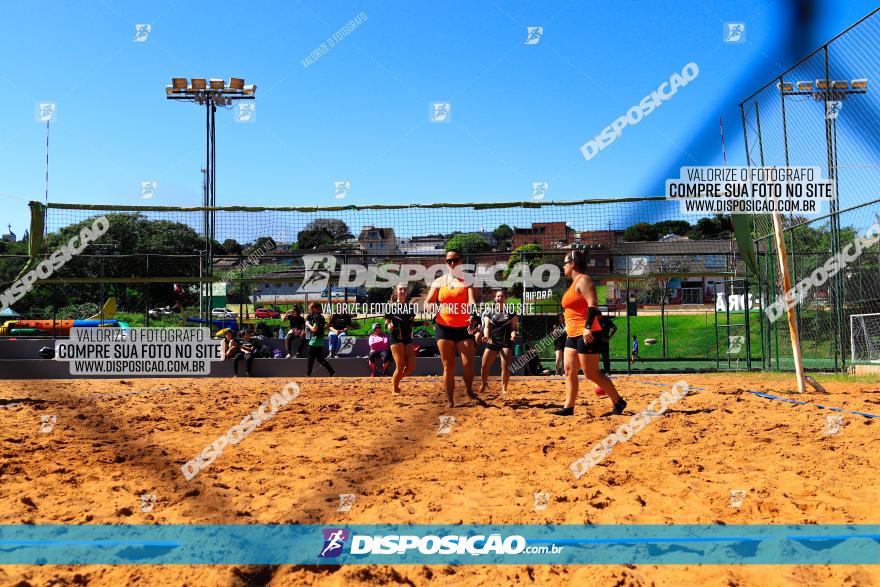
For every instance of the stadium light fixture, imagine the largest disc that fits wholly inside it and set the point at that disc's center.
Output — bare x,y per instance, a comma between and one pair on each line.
825,89
210,93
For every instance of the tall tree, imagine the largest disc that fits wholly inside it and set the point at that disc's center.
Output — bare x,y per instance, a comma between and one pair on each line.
468,243
322,232
641,231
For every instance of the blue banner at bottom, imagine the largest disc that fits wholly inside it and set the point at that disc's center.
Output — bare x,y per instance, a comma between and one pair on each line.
440,544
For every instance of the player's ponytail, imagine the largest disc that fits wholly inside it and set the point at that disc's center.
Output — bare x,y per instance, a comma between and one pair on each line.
578,259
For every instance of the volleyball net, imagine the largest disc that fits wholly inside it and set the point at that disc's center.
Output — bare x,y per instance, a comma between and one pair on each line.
641,253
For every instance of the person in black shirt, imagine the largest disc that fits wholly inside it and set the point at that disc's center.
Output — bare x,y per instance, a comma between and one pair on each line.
534,366
604,341
295,338
399,322
339,325
499,331
559,345
249,347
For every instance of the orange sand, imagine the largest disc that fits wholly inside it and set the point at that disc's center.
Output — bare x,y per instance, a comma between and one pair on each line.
351,436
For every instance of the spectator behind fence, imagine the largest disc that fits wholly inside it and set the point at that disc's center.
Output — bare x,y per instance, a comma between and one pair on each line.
534,366
604,341
295,338
231,348
339,325
380,355
250,347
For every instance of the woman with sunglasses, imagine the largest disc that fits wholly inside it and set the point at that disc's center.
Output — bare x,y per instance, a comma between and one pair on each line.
580,305
453,325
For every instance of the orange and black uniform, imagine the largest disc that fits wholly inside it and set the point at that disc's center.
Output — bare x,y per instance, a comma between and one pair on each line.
577,317
452,321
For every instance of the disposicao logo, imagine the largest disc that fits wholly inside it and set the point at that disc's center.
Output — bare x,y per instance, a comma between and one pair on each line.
334,542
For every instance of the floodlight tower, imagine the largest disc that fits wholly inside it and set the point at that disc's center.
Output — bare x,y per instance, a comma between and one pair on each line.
210,94
832,93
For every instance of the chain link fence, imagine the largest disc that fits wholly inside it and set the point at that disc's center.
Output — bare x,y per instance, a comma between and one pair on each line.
823,112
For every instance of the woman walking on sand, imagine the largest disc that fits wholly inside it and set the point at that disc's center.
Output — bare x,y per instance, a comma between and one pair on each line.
499,331
452,325
399,321
582,326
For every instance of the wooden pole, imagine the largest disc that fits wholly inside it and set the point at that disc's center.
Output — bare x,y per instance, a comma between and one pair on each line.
786,285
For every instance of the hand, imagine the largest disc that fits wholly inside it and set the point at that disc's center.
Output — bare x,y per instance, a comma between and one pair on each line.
588,336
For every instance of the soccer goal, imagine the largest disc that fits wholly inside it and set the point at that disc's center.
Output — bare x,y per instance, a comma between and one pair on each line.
865,338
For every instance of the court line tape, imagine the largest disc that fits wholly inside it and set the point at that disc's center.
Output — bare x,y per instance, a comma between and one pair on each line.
800,403
666,385
782,399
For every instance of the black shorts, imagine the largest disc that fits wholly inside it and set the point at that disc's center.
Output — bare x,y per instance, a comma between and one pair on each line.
578,343
559,343
494,346
394,340
453,333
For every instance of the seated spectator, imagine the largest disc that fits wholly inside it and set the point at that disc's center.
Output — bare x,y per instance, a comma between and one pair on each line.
295,339
339,325
380,353
230,347
534,366
250,347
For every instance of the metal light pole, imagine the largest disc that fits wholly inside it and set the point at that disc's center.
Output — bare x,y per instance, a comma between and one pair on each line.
830,92
210,94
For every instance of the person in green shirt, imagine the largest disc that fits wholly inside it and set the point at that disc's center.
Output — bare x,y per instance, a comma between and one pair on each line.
315,324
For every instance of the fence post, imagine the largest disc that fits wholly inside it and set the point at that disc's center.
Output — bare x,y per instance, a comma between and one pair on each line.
748,313
761,303
717,357
628,335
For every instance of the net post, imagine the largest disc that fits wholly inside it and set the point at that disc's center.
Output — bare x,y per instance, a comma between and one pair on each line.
786,286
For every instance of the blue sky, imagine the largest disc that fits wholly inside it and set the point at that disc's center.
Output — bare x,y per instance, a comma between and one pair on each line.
361,112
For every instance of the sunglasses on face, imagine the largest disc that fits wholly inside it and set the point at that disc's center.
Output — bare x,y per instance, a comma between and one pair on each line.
453,260
567,262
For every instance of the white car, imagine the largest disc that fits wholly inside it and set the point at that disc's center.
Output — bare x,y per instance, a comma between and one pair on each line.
223,313
156,312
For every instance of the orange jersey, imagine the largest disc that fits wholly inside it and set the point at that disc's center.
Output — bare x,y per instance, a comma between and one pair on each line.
575,310
456,300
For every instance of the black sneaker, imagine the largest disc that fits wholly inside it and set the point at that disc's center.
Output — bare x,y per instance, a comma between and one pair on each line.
564,412
619,406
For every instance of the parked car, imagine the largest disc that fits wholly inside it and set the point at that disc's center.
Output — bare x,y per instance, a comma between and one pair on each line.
157,312
223,313
267,313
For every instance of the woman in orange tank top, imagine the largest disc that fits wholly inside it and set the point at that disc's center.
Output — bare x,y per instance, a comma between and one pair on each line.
454,325
580,305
